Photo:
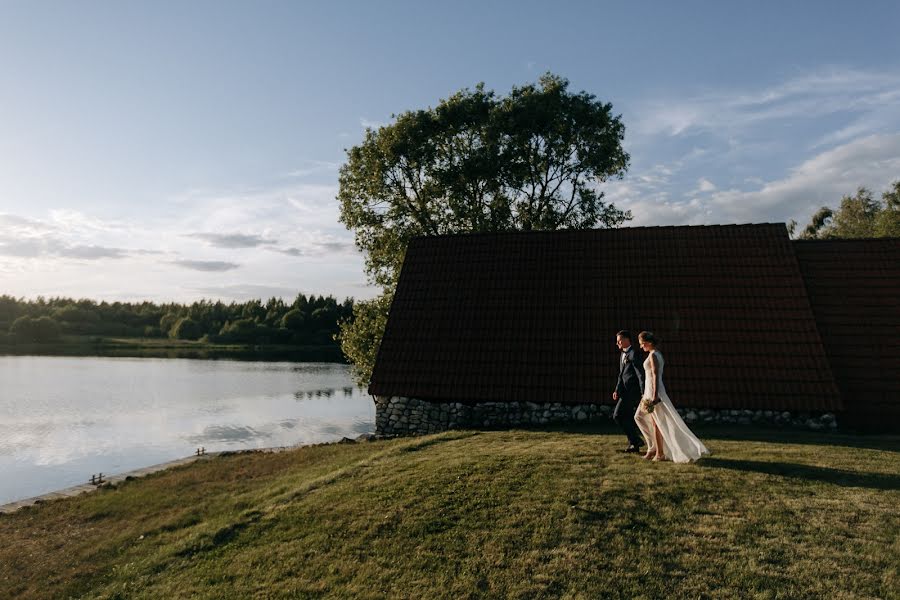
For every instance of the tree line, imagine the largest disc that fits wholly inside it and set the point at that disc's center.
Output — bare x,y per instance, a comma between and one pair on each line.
857,216
312,320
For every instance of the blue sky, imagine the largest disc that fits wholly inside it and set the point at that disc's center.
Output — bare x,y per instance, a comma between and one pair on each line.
175,150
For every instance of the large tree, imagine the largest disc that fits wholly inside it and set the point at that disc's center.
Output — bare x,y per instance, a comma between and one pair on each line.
858,216
475,162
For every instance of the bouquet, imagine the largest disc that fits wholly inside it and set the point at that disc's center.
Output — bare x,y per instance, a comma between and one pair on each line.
648,405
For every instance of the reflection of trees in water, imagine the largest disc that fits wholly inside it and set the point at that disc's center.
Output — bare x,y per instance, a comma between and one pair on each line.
226,434
325,393
310,394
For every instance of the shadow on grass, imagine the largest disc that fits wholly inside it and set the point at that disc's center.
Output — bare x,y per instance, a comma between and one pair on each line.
750,433
744,433
875,481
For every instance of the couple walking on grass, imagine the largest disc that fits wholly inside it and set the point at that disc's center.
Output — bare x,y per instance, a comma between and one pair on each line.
644,409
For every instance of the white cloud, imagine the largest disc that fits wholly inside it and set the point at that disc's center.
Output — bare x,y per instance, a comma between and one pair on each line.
206,265
247,291
76,221
232,240
315,167
27,238
873,161
370,124
18,225
286,238
705,185
872,96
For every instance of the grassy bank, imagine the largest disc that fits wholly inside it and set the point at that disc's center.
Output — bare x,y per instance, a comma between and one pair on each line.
82,345
517,514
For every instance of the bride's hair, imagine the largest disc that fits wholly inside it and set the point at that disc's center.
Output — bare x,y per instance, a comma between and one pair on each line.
650,337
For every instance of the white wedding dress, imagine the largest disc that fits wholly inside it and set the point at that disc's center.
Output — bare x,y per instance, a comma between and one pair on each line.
679,443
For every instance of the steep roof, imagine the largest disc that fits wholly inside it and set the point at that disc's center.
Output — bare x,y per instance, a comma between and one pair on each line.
854,289
532,316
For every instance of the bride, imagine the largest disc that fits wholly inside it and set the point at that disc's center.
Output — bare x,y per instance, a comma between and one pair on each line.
667,435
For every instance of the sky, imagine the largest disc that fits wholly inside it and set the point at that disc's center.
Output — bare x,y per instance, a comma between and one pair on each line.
183,150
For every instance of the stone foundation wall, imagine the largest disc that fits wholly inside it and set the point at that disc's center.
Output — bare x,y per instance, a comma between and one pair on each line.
406,416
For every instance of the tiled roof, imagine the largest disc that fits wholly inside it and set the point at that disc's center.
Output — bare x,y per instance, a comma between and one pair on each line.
854,289
532,316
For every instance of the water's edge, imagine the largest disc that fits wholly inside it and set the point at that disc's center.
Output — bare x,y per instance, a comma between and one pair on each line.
64,418
86,488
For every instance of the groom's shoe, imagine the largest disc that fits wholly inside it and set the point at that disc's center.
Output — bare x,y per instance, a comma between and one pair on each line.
632,450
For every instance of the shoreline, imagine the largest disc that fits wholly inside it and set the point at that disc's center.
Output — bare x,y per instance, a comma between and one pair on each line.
86,488
445,516
166,348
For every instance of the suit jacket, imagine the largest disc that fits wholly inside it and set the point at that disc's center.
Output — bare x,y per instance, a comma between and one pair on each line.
630,384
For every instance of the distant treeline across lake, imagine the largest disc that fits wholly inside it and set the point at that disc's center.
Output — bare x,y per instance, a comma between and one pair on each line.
64,325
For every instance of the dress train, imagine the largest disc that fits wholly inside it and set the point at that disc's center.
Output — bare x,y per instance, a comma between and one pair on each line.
679,442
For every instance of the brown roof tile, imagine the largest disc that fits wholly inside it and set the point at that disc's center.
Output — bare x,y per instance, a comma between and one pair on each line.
533,316
854,289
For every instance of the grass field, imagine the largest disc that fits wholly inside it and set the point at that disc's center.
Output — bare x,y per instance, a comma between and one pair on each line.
501,514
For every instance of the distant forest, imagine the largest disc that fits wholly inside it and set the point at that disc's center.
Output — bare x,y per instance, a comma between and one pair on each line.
308,321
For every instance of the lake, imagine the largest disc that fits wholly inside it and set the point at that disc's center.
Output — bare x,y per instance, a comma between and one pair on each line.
63,419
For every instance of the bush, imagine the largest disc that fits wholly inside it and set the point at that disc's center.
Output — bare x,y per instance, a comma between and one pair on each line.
31,330
325,318
186,329
360,336
294,320
242,331
75,315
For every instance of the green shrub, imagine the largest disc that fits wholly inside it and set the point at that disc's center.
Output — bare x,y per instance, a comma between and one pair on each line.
294,320
74,315
30,330
243,331
186,329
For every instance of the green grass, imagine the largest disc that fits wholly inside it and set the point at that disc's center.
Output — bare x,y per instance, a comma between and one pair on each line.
501,514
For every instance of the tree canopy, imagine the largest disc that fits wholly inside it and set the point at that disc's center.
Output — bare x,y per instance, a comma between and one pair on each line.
477,162
858,216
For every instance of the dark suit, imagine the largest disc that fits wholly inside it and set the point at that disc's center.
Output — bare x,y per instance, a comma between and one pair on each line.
629,388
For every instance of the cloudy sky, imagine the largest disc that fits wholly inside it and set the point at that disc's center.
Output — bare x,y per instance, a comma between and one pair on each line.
179,150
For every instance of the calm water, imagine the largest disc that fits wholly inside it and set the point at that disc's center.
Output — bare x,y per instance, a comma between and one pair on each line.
64,418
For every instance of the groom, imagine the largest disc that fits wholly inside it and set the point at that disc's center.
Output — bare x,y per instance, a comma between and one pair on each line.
629,388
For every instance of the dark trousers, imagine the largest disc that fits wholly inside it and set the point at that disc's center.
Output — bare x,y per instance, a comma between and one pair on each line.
623,415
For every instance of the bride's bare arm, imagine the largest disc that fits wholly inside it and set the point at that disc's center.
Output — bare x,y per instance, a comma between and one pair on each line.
654,377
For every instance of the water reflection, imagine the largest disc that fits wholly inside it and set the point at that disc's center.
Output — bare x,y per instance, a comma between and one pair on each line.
62,418
348,391
363,427
224,433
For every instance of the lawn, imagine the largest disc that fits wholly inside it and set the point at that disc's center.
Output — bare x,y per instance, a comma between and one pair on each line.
466,514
